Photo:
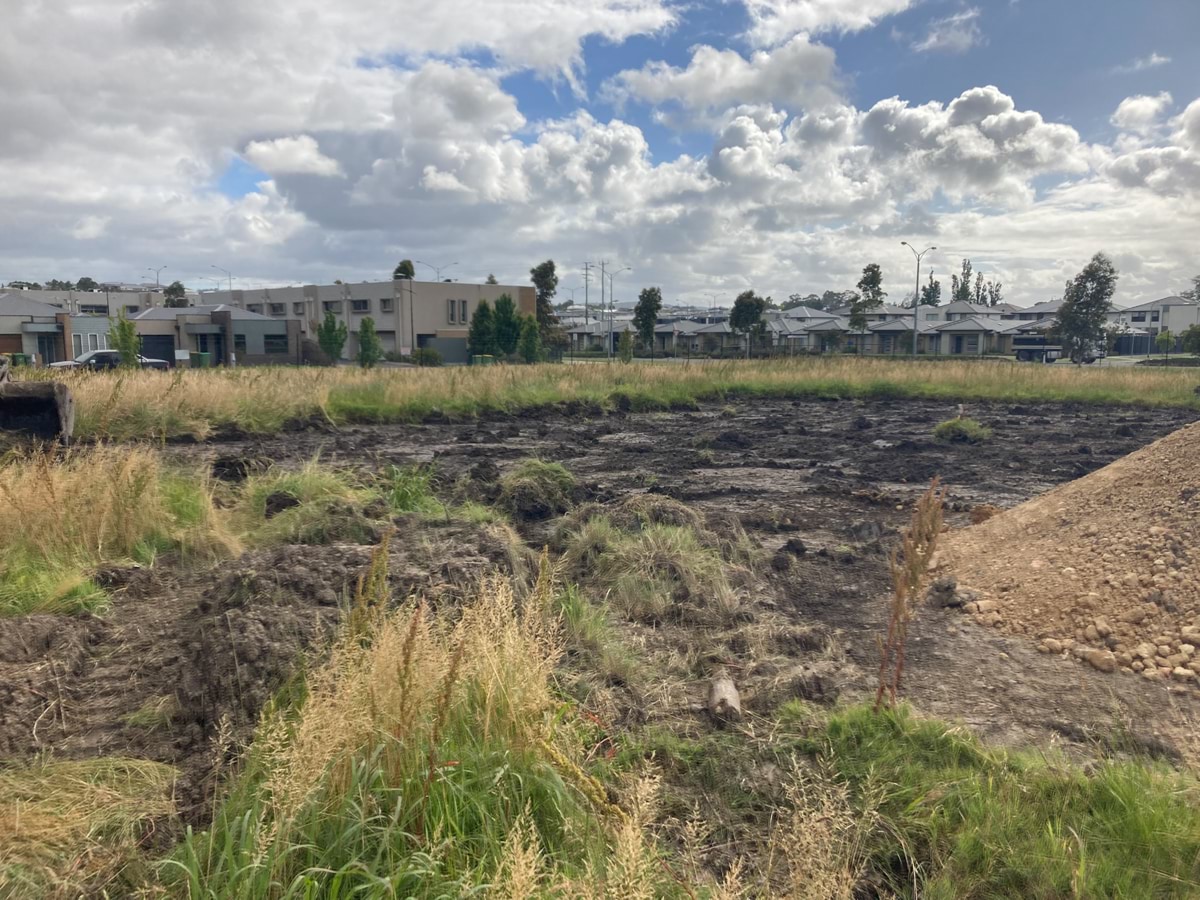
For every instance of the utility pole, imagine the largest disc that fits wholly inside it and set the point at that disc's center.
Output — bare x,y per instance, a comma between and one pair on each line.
917,293
587,277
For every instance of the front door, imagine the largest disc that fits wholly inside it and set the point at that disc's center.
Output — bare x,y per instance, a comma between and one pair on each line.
958,344
47,353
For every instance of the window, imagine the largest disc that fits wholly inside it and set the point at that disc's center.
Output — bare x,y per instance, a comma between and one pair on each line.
239,344
452,311
254,307
93,342
132,310
333,306
104,342
297,309
931,317
274,343
278,309
1154,316
77,344
385,304
462,311
92,309
1138,317
973,344
360,306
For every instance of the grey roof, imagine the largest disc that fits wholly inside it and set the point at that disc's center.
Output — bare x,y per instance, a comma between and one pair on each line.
13,304
678,326
972,323
160,313
1155,304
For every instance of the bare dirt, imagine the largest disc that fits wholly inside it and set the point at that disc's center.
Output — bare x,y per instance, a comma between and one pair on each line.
820,487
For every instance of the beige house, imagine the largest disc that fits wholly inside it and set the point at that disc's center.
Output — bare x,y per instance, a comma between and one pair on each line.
407,313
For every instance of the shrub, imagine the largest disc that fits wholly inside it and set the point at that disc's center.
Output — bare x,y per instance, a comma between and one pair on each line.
961,431
427,357
370,350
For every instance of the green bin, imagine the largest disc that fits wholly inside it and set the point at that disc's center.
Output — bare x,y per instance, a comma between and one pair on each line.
19,359
485,360
201,360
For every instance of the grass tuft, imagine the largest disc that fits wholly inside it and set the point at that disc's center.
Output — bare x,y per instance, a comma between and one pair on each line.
961,431
537,490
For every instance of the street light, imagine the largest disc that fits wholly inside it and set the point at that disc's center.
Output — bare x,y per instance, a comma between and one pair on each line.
216,281
437,269
227,272
712,295
155,271
612,300
917,293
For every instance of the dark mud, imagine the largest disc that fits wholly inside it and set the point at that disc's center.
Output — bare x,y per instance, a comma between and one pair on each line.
821,489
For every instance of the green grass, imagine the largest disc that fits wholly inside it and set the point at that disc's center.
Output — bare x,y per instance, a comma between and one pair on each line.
964,821
536,489
408,490
961,431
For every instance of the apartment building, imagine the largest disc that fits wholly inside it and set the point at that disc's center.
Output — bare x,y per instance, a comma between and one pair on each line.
407,313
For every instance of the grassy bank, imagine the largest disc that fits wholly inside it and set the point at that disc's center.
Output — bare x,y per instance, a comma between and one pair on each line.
149,404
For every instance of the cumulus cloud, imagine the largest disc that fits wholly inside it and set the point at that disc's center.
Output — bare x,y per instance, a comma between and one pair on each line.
955,33
298,155
793,75
774,22
1153,61
1142,114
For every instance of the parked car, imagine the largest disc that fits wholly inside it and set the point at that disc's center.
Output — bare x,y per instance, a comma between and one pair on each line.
106,359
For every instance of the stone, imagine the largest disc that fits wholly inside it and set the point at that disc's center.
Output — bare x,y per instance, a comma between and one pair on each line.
1053,646
991,620
944,592
1179,673
1135,616
1176,660
1125,660
1187,649
986,606
1102,627
1092,634
1145,651
1104,660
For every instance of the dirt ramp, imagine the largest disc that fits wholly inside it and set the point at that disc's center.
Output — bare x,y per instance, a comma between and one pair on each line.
1103,567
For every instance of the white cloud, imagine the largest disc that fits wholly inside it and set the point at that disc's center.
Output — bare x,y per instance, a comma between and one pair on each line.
298,155
793,75
774,22
955,33
1140,64
1141,114
90,227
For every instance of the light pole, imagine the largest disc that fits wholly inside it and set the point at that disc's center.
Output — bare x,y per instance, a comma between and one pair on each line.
712,307
436,269
917,293
216,281
227,272
155,271
612,304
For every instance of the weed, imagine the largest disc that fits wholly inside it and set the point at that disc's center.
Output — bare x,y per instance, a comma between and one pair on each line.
155,713
961,431
408,490
537,490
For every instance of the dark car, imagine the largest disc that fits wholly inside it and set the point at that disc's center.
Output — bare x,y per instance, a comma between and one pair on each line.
106,359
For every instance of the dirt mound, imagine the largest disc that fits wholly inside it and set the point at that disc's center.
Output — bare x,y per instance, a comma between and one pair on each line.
1102,567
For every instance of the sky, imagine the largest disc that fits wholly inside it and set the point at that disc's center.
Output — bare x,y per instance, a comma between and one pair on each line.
703,146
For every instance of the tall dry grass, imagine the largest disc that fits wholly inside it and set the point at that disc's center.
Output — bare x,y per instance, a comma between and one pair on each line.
66,515
149,404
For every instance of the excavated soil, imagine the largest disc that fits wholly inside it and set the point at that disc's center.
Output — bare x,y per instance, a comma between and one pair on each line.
179,668
1102,568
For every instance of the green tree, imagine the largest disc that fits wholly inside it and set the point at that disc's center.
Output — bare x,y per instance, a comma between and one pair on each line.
123,337
1164,341
870,296
175,295
491,279
1084,310
1112,334
545,283
370,349
810,300
506,325
992,293
481,336
86,284
960,287
25,285
404,269
1190,340
931,293
625,346
645,315
332,336
529,347
55,284
1194,293
746,315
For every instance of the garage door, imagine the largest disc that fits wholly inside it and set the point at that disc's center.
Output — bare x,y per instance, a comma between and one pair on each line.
159,346
10,343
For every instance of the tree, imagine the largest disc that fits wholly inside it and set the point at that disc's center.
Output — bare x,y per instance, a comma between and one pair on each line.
794,300
404,269
175,295
1194,293
86,284
1190,340
370,349
870,286
992,293
1112,334
506,324
1084,310
25,285
491,279
1164,341
625,346
331,336
123,337
960,288
529,346
481,336
545,283
746,315
931,293
645,315
55,285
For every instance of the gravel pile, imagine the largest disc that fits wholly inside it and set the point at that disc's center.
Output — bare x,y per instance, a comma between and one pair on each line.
1105,568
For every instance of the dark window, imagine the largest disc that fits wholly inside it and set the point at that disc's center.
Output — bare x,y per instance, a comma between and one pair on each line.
297,309
462,311
278,309
275,343
1154,316
239,343
132,310
385,304
360,306
254,307
1138,317
333,306
451,311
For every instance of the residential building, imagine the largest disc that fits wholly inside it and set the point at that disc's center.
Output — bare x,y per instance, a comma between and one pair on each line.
407,313
98,302
1173,314
228,334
